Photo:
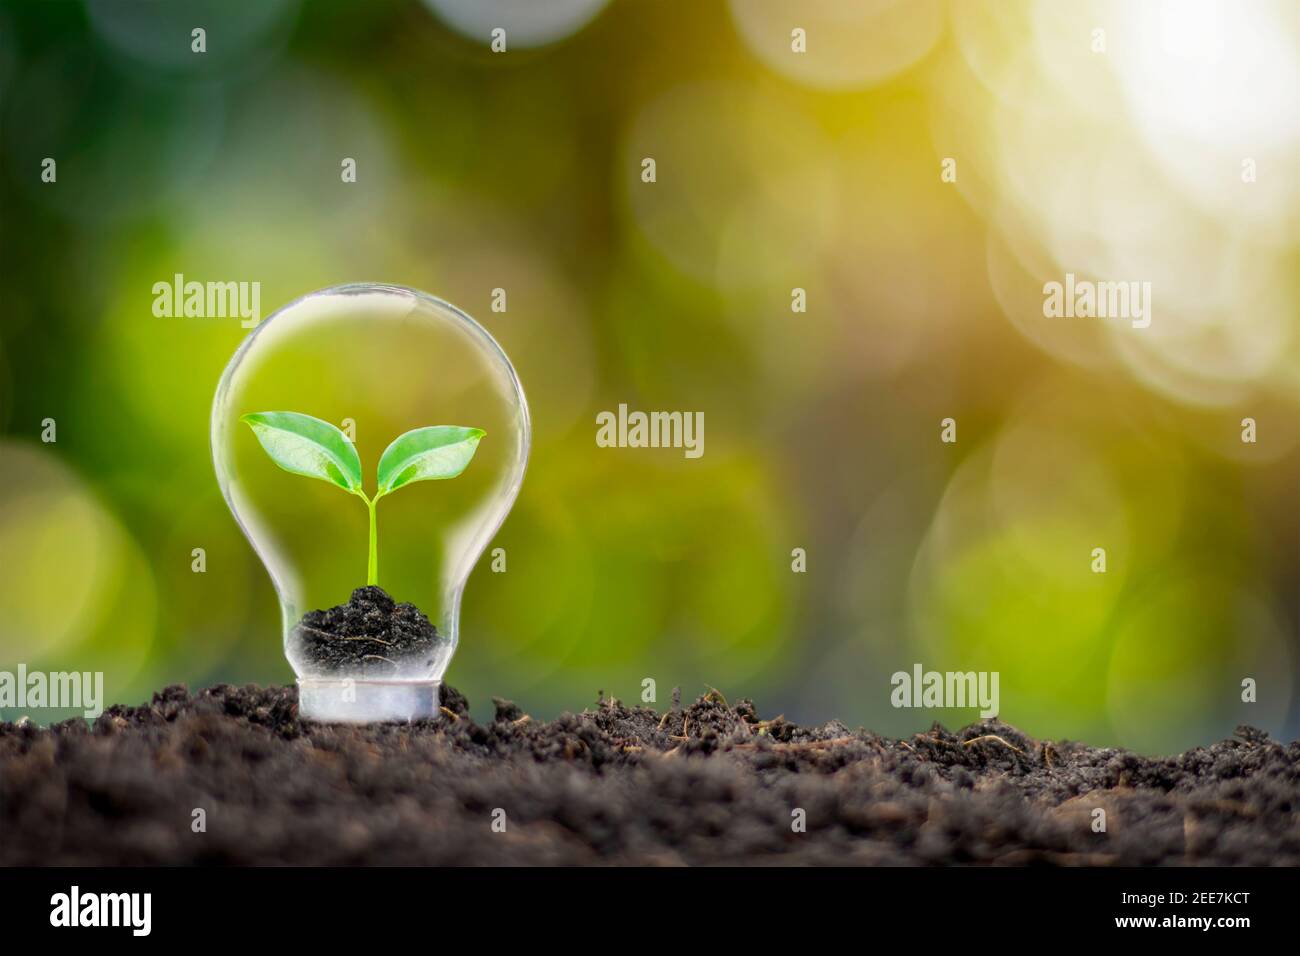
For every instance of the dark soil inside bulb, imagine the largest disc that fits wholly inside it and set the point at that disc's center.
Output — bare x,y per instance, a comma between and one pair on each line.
371,636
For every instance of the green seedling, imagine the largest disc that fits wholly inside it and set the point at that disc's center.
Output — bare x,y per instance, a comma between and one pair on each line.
308,446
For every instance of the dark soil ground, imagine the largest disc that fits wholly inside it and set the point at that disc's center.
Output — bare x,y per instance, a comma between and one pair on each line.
708,783
372,636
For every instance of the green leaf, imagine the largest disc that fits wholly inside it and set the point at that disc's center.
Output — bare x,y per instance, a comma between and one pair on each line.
307,446
435,452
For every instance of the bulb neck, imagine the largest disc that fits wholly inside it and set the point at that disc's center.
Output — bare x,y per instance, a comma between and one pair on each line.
352,701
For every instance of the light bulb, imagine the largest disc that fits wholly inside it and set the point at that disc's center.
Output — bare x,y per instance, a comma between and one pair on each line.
369,440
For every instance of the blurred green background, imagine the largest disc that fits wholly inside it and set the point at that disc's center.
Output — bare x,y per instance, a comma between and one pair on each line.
1162,148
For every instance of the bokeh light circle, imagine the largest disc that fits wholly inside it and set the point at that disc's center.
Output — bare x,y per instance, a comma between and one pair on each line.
1159,187
159,36
527,23
77,592
849,43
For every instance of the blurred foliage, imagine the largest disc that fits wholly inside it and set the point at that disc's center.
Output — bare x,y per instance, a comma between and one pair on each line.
521,170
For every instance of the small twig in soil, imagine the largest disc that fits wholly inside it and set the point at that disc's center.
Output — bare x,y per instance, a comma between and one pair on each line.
450,713
762,725
975,740
377,657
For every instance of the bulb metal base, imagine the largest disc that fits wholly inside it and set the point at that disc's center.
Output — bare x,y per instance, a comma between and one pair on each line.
346,700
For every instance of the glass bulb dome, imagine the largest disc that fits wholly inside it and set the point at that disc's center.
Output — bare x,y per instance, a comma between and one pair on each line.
328,425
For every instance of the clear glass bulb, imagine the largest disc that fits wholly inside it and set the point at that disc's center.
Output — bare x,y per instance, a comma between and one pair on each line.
303,440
